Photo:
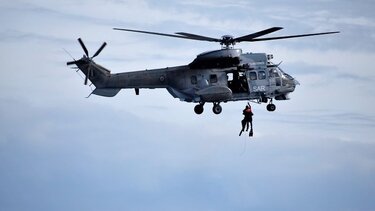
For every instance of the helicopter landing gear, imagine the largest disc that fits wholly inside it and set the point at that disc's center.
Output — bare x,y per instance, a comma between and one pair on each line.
271,107
217,108
198,109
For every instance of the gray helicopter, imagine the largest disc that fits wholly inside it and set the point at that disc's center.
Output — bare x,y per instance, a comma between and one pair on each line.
216,76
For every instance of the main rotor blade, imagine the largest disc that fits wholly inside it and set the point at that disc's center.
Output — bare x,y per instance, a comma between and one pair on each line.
291,36
198,37
99,50
250,37
157,33
83,47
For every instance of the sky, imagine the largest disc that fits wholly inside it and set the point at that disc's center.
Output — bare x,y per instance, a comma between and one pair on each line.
62,151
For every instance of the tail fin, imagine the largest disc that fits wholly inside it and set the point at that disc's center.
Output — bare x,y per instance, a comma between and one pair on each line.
85,63
92,71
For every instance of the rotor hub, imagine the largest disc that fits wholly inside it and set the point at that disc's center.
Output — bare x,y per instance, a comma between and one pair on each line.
227,40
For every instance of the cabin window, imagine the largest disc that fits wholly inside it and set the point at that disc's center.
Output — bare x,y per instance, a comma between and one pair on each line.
230,77
253,76
193,79
261,75
213,78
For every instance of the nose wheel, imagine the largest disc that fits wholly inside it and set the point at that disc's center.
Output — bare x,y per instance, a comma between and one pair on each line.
271,107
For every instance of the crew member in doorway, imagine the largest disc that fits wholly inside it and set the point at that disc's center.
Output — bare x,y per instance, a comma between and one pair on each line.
248,118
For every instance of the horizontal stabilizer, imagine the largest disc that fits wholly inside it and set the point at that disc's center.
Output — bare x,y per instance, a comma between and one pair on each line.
106,92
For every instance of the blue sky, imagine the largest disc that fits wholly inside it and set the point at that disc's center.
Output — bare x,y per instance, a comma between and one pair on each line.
61,151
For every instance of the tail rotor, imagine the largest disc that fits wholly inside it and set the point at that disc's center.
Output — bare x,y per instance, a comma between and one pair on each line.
99,50
83,47
89,70
88,74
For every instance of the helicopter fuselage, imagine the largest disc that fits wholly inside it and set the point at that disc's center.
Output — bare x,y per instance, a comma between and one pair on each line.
213,77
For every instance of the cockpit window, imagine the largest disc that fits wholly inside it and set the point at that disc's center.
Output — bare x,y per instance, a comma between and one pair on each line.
273,73
253,76
261,75
286,75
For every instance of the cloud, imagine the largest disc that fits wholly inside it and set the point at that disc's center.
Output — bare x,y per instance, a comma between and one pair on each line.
59,150
86,161
332,119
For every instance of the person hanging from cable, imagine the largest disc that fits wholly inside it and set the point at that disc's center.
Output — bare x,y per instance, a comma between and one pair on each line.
248,118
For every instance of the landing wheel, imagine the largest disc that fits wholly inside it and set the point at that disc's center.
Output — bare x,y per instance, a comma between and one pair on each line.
271,107
217,108
198,109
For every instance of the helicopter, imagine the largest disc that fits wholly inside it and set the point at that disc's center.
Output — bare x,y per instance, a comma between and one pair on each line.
214,77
